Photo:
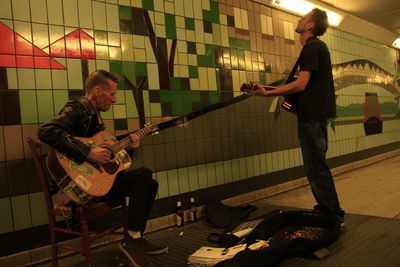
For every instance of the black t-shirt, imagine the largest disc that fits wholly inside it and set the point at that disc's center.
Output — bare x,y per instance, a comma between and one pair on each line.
317,103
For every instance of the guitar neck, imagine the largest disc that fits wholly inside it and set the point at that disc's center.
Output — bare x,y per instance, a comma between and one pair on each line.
126,141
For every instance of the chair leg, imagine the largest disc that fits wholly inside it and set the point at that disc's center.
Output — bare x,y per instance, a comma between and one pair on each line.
85,236
125,218
53,241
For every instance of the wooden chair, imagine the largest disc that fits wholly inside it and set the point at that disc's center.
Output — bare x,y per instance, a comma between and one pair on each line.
81,214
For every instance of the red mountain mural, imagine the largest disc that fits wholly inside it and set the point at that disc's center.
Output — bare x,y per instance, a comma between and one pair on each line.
77,44
15,51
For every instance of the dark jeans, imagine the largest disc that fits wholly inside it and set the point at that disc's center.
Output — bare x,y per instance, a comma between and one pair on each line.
314,144
141,189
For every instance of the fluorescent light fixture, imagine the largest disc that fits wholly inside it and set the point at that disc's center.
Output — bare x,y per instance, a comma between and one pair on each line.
396,43
303,7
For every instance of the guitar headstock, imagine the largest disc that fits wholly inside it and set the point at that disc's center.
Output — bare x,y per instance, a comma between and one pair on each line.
247,87
151,128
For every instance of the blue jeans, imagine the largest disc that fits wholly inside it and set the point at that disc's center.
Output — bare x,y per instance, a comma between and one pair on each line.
314,144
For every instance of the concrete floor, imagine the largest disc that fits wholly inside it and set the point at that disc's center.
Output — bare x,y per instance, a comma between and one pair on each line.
371,190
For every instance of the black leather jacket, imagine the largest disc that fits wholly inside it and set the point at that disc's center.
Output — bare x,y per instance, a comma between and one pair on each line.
77,118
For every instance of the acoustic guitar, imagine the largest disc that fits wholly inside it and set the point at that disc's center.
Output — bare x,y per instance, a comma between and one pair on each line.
86,181
289,104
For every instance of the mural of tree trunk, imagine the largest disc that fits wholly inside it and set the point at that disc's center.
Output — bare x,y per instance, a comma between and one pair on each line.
372,114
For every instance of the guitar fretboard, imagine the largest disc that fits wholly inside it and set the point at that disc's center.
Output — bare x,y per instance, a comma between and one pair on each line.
123,143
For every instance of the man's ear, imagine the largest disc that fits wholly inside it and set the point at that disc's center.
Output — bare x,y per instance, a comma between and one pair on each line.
310,26
96,91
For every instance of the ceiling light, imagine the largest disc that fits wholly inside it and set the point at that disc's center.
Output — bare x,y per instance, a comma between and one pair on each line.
303,7
396,43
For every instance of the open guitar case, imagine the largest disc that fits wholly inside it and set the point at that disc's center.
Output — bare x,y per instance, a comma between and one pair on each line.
281,229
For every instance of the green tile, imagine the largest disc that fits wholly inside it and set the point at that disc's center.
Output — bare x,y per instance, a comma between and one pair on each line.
173,184
21,10
131,110
5,10
12,79
170,26
45,105
193,178
60,97
227,171
216,28
85,8
202,176
234,59
148,4
141,69
20,212
125,12
219,172
28,105
210,55
218,80
38,209
201,60
43,79
183,175
74,70
262,78
38,10
214,97
211,175
235,170
241,59
120,97
6,218
101,37
26,78
193,72
128,70
242,168
108,115
263,164
60,80
250,167
155,110
189,23
162,180
246,44
175,83
116,67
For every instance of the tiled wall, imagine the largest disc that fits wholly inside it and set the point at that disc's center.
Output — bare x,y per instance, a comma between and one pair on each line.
194,53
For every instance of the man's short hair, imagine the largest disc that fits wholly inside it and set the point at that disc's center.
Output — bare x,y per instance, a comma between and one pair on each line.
100,77
320,20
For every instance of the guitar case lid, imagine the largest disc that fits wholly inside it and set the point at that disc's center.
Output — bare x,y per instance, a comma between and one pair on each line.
289,234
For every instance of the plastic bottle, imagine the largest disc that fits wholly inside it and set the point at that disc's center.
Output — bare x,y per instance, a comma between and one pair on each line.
179,214
193,210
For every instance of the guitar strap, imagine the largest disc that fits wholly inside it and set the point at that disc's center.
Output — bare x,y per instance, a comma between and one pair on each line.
293,72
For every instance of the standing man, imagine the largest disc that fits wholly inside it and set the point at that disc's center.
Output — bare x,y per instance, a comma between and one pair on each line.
81,118
315,105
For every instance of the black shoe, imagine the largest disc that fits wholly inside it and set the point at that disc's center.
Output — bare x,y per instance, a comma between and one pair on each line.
152,248
340,216
342,222
135,252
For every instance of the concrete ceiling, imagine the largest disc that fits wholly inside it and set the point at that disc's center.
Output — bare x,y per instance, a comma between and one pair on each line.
384,13
377,20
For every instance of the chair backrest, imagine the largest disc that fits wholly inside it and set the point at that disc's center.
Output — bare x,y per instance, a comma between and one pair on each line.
36,146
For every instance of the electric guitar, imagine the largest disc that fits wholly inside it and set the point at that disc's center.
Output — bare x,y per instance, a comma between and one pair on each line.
289,104
83,182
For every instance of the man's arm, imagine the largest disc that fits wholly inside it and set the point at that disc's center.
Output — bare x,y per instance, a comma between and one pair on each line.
296,86
57,133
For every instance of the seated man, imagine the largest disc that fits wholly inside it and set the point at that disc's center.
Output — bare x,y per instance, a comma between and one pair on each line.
81,118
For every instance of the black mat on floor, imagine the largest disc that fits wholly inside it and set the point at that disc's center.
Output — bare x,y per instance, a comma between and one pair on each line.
365,241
